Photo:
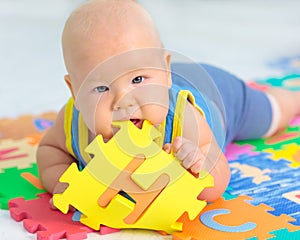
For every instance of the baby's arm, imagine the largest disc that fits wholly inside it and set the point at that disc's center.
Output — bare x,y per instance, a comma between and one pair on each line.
52,156
198,149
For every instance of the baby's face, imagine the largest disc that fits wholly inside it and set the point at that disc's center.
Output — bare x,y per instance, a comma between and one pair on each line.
117,69
130,86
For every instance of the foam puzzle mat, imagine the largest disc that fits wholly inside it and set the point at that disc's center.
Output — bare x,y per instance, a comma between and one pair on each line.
261,202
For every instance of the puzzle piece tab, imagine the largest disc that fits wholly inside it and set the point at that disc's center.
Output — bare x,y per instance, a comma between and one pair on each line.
38,217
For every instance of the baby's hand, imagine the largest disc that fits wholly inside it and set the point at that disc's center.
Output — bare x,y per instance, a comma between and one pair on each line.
60,188
188,153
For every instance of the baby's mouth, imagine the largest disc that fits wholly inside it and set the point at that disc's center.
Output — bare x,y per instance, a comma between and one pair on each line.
137,122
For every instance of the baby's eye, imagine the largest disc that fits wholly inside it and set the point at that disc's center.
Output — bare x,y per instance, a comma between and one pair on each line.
101,89
137,79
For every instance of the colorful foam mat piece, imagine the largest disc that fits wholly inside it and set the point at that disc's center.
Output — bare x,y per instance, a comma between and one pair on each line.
38,218
261,202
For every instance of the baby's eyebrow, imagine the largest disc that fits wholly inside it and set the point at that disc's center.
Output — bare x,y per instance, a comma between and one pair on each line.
96,79
106,73
93,80
90,83
102,80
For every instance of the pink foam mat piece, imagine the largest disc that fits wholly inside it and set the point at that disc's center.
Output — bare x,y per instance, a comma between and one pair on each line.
233,151
38,217
295,122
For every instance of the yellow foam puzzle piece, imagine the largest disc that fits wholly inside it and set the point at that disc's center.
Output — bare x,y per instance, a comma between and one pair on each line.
183,186
126,144
109,161
83,193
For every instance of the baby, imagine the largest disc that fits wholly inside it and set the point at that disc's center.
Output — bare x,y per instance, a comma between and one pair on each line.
118,70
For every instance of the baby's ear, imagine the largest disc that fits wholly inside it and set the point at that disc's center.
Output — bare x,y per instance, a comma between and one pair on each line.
168,67
69,83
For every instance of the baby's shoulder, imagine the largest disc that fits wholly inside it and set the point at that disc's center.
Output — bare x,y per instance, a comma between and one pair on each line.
195,126
55,135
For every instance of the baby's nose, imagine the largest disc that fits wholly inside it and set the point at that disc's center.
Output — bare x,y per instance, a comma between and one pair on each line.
124,102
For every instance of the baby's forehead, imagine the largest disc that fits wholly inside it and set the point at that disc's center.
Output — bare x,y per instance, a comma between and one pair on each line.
126,63
100,29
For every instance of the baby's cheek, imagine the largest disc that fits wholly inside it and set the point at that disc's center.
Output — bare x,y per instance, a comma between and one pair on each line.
157,114
102,121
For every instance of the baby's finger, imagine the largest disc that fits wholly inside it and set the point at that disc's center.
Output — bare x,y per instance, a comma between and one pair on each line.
52,204
185,149
167,147
182,153
196,167
177,144
60,187
71,208
190,159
